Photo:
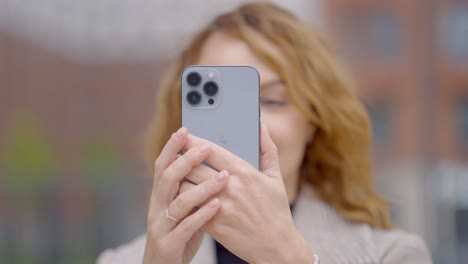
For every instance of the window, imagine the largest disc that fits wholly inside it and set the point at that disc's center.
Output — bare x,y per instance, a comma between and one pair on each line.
381,122
461,116
373,34
453,32
461,227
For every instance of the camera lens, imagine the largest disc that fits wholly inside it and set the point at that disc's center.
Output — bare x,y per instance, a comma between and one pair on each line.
193,78
193,97
210,88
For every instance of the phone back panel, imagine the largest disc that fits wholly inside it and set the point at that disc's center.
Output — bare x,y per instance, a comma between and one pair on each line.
233,119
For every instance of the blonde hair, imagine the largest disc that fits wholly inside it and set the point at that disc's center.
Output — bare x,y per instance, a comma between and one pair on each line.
337,162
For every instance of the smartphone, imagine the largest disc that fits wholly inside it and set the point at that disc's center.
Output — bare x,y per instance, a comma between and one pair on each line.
222,104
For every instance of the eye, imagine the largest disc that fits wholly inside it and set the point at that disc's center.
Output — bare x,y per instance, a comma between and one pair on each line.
271,102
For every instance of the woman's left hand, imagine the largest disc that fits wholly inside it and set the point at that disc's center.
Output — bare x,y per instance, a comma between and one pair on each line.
255,220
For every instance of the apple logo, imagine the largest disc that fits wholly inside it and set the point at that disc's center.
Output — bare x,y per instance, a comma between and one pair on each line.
222,140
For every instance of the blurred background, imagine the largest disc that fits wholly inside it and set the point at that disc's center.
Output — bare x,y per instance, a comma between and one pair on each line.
77,87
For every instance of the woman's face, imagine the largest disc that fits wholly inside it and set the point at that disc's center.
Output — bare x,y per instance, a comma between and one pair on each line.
288,127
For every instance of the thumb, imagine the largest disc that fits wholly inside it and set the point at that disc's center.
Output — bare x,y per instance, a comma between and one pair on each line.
269,161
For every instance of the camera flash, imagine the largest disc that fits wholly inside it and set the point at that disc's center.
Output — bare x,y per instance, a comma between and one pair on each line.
211,75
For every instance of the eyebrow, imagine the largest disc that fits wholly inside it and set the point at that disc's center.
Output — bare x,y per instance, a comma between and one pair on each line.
271,83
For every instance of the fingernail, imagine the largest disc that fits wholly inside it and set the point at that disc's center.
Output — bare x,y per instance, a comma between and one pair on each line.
221,176
204,149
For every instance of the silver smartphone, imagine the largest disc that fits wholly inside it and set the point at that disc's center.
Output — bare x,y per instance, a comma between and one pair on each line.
221,104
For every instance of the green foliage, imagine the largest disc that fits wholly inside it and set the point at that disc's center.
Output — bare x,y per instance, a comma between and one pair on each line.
28,161
100,163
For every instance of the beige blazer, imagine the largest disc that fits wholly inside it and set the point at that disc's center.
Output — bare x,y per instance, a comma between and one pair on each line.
334,239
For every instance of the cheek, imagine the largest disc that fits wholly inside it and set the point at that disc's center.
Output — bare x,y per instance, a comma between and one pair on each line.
279,127
290,134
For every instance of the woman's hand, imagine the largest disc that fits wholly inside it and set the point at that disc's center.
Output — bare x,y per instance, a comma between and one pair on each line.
173,227
255,221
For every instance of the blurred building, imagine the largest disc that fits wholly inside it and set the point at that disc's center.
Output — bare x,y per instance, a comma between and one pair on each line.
411,63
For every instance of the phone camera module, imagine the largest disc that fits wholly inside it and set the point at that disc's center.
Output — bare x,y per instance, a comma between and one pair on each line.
193,97
210,88
193,78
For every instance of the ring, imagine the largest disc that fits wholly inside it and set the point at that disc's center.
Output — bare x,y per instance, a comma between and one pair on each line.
170,217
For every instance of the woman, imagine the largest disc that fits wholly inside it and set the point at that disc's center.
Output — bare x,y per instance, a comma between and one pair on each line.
312,200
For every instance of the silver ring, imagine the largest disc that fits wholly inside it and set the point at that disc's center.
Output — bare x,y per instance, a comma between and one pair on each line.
170,217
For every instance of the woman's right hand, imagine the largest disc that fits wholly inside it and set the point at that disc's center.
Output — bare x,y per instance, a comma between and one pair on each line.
177,240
